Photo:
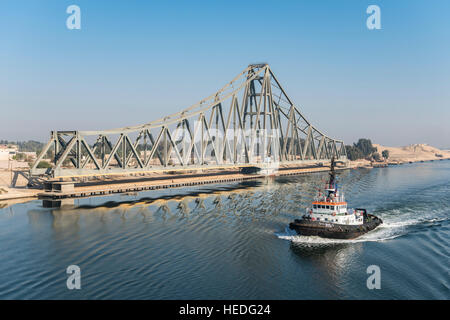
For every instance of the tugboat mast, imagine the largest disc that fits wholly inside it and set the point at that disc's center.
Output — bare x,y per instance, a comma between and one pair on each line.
332,172
331,188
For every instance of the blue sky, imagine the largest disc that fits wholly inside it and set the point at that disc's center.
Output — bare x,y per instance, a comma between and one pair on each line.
135,61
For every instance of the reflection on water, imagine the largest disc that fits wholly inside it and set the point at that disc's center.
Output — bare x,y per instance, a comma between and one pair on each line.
330,260
232,241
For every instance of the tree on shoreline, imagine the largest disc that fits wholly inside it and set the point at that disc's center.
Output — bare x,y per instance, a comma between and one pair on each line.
376,156
385,154
363,149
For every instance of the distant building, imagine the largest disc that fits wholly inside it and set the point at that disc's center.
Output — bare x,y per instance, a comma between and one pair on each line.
7,151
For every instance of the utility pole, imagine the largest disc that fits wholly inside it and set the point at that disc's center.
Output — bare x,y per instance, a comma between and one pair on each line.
10,168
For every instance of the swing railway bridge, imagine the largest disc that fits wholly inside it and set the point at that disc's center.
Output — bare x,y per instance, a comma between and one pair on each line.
248,123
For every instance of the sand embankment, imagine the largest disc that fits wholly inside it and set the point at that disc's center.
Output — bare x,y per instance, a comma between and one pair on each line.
413,153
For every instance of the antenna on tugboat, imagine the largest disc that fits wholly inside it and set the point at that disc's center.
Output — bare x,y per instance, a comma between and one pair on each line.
332,172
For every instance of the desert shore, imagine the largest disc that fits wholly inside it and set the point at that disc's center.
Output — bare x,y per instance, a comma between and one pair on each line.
408,154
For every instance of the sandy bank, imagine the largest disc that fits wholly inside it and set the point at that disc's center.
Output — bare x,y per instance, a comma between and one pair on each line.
406,154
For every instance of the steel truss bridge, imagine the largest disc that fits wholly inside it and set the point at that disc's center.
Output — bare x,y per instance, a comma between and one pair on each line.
249,122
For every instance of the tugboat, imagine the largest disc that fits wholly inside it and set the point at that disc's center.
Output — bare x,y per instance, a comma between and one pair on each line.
330,218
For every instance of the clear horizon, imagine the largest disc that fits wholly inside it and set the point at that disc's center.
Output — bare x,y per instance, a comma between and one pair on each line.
134,62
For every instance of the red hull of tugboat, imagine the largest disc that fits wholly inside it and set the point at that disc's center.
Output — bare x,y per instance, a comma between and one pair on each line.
307,227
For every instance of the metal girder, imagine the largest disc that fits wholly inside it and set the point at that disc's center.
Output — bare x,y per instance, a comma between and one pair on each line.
265,125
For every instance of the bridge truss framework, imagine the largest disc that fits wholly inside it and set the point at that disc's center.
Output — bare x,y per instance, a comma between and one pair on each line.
249,122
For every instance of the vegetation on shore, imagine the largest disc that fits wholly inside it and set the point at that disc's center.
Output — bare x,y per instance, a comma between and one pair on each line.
363,149
43,164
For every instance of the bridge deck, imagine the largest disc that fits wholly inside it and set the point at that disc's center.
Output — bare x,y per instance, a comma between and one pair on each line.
108,188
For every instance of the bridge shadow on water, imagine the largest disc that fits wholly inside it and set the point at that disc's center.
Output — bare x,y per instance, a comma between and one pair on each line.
217,200
194,194
271,201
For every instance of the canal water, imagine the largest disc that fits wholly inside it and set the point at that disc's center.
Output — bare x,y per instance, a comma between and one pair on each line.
232,242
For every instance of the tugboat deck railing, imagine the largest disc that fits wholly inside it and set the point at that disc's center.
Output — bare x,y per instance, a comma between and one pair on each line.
327,203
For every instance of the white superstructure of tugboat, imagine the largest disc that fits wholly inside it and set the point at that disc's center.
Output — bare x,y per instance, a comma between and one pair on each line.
329,216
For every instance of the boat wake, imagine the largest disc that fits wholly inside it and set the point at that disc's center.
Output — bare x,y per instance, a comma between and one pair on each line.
390,229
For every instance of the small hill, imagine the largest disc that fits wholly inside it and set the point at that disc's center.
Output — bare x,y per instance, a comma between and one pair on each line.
413,152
